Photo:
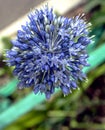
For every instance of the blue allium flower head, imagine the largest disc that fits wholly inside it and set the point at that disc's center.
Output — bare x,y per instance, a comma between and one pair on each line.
50,52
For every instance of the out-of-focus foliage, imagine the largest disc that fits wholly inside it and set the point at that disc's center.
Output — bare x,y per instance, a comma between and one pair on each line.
74,111
96,10
96,14
4,45
81,110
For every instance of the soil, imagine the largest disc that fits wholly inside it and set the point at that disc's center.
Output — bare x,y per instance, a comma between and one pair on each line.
95,113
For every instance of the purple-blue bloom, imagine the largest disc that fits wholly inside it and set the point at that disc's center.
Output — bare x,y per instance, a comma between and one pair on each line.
50,52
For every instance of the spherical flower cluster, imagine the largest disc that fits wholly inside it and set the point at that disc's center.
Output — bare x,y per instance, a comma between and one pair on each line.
50,52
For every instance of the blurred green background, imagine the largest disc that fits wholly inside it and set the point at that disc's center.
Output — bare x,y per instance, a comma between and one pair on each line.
84,109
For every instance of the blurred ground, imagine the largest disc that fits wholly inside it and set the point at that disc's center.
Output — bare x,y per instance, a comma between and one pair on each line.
11,10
